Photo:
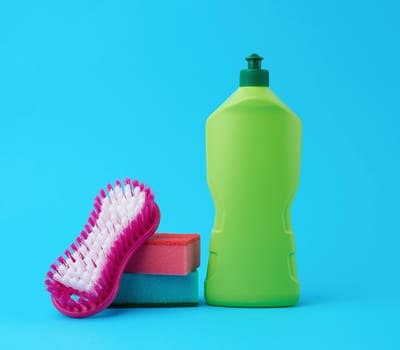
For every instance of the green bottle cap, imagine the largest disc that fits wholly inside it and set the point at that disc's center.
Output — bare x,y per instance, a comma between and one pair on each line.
254,75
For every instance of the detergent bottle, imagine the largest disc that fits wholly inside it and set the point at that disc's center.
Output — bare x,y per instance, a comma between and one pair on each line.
253,146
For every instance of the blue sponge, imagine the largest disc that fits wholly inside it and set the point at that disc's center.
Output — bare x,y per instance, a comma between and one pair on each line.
157,290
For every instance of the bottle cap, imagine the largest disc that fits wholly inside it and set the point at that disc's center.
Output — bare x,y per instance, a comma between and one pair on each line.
254,75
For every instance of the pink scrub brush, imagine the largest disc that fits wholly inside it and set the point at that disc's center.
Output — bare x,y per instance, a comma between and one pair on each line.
86,279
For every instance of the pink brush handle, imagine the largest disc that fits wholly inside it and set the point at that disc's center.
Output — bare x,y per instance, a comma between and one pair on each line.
119,271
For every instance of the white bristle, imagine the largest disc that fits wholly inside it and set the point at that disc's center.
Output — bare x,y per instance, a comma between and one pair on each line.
118,209
127,191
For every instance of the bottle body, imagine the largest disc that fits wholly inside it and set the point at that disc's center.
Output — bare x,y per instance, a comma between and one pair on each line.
253,145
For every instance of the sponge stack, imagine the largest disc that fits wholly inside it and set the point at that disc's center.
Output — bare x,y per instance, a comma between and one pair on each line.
162,272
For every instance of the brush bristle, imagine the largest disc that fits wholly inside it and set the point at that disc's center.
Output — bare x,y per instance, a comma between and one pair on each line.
83,278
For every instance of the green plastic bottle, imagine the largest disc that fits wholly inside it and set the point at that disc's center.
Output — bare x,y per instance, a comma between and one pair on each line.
253,145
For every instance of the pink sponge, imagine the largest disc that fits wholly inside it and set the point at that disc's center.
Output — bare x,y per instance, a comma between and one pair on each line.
167,254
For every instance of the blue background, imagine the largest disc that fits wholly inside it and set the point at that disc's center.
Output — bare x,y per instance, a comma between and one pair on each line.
92,91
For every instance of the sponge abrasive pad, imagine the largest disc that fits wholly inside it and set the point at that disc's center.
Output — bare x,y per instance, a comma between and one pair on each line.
167,254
